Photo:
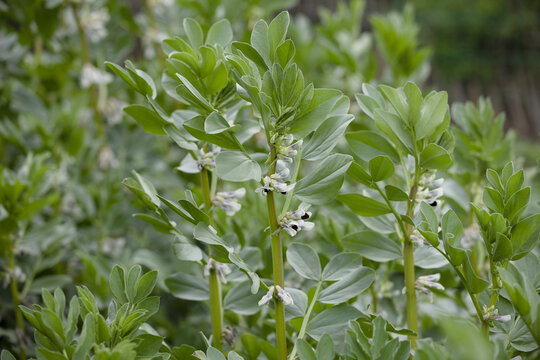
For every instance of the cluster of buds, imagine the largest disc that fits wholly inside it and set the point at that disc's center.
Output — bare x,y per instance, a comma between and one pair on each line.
428,282
229,334
221,270
286,147
207,160
284,296
273,183
418,239
491,313
430,189
228,201
294,221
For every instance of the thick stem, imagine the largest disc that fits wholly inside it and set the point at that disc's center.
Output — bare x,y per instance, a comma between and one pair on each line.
305,321
19,321
277,266
216,313
408,264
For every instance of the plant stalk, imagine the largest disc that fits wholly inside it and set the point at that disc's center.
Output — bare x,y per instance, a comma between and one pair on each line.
305,321
216,312
277,266
93,91
19,321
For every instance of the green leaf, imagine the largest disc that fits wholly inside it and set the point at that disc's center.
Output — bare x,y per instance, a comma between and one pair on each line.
517,204
285,53
250,53
392,126
237,166
86,340
372,245
277,31
317,112
348,287
323,183
148,119
132,280
304,261
205,234
218,79
117,284
241,300
432,115
215,124
435,157
503,248
332,321
326,137
397,100
187,252
381,168
475,283
145,285
395,194
325,348
220,33
194,32
341,265
159,225
188,287
363,205
305,351
259,40
358,173
124,75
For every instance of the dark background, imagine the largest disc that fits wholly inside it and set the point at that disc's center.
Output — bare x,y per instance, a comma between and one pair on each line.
480,47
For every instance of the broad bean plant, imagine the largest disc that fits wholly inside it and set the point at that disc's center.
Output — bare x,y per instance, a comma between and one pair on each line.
299,226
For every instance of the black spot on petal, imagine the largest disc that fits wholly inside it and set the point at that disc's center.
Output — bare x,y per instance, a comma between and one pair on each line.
294,227
305,216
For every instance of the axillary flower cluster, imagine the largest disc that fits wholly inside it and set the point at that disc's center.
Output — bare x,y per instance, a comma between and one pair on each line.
294,221
430,189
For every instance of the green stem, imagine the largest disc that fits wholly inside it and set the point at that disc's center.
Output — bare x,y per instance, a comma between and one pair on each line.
216,313
85,54
19,321
288,199
474,300
277,265
305,321
408,259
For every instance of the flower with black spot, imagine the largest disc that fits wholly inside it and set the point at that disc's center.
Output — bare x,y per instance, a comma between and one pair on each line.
273,183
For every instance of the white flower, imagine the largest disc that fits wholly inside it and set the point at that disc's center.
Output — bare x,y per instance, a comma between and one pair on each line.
286,148
228,200
424,283
301,213
207,159
430,189
272,183
294,221
91,75
267,297
113,111
221,270
284,296
107,159
418,238
491,313
93,23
